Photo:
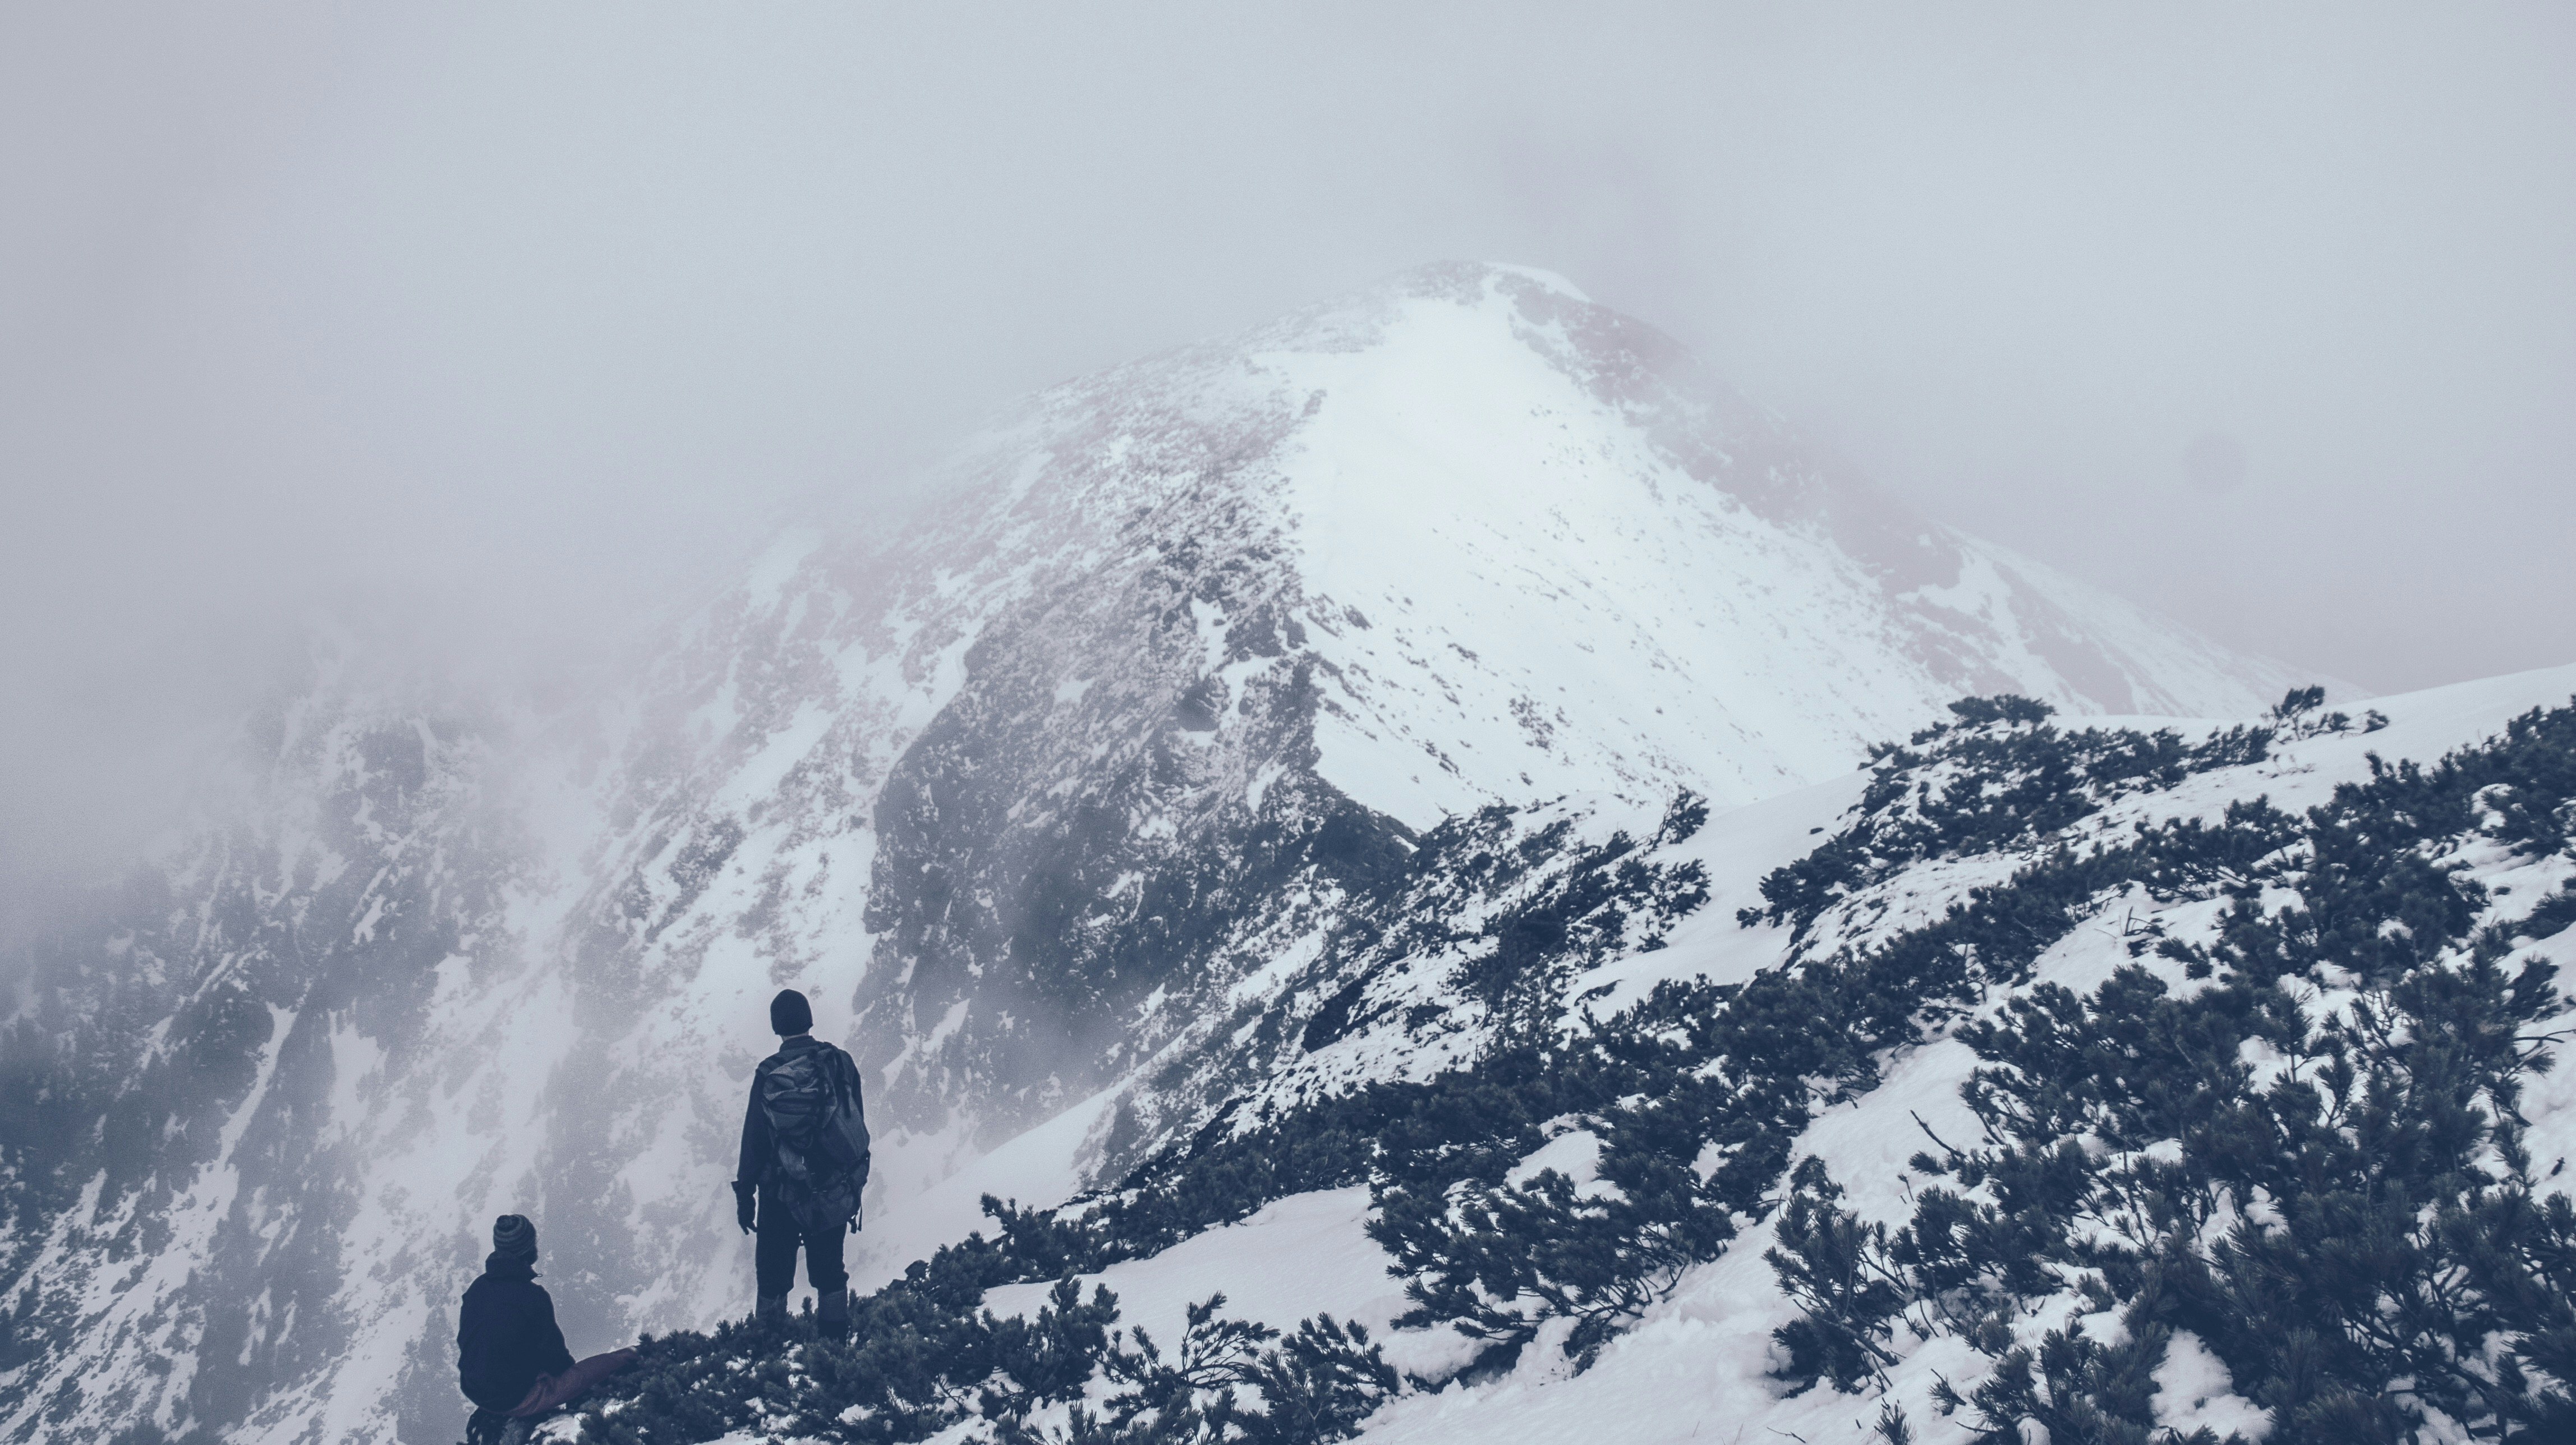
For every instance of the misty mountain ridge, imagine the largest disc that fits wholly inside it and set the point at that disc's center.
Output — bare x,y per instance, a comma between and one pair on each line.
1242,734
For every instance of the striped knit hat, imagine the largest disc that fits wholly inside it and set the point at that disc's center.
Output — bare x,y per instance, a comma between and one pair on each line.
512,1234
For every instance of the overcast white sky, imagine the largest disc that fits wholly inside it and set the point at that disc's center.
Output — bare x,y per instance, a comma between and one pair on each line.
490,318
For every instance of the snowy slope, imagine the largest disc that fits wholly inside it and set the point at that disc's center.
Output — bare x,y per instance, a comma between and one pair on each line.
1563,597
1031,794
1704,1355
1653,1027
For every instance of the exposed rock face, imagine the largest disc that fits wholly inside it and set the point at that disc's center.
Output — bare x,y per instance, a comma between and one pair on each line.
198,1091
1033,795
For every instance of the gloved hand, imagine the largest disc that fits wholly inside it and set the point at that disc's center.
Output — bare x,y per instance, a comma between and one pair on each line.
743,1194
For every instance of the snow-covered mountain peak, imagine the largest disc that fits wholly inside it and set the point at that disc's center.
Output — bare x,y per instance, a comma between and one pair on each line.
1533,547
1061,799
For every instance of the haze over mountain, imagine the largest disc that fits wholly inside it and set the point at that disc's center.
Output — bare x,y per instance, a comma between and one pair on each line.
501,321
1062,800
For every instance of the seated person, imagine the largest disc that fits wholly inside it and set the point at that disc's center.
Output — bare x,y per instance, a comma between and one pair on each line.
510,1356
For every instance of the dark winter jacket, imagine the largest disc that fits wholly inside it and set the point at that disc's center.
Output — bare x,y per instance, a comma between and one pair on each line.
759,1152
506,1335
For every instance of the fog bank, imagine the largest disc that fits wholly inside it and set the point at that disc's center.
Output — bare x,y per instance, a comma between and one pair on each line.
499,326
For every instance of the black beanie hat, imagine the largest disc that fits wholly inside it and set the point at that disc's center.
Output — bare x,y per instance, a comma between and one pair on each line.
790,1014
513,1235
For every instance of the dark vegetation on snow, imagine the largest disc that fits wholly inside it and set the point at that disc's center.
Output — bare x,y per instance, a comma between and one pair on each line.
2351,1230
1981,788
1565,905
923,1353
2341,1209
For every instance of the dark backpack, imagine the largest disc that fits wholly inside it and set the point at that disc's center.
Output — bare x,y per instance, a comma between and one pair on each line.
818,1130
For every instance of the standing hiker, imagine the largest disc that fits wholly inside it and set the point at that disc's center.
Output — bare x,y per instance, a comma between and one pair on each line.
510,1356
804,1164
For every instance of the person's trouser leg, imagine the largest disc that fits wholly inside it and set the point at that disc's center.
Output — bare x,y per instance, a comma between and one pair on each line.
831,1280
823,1267
773,1254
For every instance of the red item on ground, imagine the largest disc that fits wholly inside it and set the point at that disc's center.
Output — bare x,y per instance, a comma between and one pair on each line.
554,1391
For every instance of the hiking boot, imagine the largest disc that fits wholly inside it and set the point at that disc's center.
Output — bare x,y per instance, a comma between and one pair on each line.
770,1309
832,1316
